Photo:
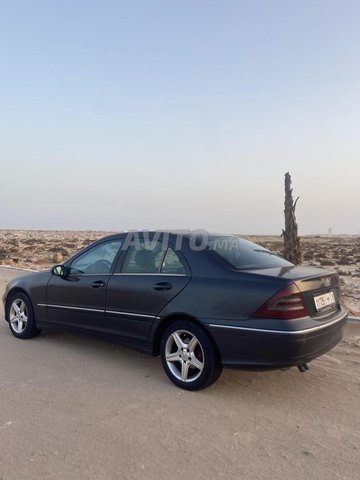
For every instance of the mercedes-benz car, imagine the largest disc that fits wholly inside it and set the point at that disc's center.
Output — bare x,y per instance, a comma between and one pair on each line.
201,302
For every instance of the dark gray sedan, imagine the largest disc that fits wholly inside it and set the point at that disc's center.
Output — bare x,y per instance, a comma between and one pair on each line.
199,301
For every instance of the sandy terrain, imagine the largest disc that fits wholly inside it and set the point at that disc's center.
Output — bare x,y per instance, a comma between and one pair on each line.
38,250
75,407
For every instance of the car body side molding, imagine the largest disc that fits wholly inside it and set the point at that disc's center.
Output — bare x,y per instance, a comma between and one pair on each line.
66,307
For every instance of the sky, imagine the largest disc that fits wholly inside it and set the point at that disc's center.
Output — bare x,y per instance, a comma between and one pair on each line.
179,114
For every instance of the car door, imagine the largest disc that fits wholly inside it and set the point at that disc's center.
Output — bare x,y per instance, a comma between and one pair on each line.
78,299
146,279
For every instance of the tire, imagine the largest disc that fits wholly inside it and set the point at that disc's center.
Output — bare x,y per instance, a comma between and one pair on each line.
20,314
189,356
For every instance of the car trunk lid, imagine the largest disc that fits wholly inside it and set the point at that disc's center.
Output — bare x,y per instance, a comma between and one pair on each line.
320,288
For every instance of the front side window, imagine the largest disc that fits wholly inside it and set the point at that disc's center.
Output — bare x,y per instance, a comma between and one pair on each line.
97,260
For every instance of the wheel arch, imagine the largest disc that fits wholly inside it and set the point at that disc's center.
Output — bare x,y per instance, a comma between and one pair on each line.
10,293
165,322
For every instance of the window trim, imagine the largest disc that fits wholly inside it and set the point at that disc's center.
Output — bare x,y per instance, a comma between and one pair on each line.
152,274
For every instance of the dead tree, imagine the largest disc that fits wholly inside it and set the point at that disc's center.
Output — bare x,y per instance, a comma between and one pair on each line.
292,247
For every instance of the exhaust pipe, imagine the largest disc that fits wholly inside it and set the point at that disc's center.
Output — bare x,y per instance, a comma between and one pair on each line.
303,367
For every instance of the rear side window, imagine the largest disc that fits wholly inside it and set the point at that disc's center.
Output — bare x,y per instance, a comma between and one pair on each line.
143,258
244,255
172,263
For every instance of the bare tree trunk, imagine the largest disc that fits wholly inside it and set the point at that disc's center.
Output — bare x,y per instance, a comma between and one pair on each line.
292,247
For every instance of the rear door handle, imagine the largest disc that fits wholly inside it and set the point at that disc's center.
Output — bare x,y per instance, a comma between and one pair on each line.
98,284
162,286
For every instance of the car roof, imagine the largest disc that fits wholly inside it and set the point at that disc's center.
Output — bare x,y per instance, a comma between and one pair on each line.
173,233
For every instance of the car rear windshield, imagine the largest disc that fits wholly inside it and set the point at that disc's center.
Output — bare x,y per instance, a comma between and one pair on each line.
244,255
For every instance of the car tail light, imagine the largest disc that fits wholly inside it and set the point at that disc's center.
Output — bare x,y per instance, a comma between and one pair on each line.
287,304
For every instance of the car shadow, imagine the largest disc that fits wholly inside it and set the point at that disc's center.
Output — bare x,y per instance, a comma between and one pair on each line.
116,362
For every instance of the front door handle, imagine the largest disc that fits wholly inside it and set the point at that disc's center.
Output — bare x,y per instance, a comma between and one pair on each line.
98,284
162,286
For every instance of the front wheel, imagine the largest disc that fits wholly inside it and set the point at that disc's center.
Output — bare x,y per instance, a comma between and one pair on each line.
189,356
21,316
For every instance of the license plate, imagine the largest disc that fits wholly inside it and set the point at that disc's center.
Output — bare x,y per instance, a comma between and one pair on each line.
322,301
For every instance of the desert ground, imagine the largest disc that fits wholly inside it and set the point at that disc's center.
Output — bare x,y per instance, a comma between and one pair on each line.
38,250
79,408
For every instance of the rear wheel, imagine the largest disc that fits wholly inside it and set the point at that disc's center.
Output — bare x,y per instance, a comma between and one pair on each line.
21,316
189,356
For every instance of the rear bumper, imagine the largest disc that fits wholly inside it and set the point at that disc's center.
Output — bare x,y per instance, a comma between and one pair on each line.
246,347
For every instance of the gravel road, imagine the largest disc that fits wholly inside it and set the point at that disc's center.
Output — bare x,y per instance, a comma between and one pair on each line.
74,407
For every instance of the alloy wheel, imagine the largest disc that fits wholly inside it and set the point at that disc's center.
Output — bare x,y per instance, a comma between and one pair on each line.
18,315
184,356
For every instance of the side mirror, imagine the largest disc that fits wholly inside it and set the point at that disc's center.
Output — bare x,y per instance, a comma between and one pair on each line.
60,271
